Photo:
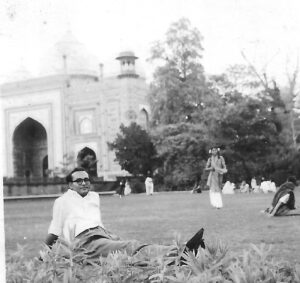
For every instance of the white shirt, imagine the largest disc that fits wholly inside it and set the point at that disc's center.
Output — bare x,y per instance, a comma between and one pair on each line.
148,181
72,214
285,198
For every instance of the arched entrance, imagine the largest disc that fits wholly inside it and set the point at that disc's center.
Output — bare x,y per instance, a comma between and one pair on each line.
86,158
29,149
45,166
143,119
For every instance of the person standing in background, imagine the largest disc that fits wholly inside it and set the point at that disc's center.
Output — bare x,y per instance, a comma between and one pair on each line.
149,185
216,167
127,189
122,187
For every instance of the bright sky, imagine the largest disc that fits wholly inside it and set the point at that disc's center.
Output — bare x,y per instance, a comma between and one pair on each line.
268,31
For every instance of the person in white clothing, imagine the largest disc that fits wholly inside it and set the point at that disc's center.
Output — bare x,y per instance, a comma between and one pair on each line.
149,185
77,219
77,212
264,186
127,190
244,187
273,187
228,188
254,186
216,167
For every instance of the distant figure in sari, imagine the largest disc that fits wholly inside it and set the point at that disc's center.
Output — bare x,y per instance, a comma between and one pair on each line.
216,167
127,189
254,185
149,185
284,199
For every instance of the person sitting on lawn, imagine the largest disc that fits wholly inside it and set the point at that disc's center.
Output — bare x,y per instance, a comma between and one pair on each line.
77,218
228,188
244,187
284,199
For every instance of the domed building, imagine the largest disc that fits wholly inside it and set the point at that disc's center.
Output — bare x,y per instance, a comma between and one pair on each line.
72,110
69,56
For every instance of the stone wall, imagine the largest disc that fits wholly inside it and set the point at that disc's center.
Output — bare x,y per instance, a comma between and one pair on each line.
23,187
23,190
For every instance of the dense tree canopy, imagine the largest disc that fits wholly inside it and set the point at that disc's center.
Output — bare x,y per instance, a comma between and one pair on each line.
134,150
251,127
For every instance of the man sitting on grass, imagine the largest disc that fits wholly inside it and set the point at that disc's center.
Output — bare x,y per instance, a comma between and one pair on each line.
284,199
77,218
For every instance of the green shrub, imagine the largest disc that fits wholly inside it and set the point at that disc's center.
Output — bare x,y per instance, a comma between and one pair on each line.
214,264
137,186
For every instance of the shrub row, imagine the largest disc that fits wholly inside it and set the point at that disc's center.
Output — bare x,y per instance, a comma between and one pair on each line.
214,264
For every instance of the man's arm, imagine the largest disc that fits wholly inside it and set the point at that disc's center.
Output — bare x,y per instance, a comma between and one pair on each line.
50,240
56,224
208,166
275,209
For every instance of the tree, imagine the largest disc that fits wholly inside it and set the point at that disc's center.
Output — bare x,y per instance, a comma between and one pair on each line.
65,167
184,149
179,81
290,97
185,111
251,127
134,150
250,134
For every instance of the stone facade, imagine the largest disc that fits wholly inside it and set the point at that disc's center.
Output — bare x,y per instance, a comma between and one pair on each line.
49,119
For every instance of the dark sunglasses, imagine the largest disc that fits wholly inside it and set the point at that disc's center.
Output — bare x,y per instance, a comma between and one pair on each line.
80,181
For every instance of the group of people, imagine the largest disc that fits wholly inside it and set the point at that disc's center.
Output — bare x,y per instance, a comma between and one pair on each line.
264,187
284,199
125,189
77,215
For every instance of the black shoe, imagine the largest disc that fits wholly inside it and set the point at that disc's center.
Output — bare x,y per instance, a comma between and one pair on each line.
196,241
193,245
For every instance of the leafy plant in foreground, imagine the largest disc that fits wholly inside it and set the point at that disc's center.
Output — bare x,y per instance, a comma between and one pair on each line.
214,264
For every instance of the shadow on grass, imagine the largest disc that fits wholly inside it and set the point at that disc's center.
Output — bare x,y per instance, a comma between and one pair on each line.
291,214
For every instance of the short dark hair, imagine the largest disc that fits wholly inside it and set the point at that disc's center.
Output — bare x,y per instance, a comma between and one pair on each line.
292,179
69,178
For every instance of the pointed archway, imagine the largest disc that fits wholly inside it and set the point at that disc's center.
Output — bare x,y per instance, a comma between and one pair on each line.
86,158
144,118
29,148
45,166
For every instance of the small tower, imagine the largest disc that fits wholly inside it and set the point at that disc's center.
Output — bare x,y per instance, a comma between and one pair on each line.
127,64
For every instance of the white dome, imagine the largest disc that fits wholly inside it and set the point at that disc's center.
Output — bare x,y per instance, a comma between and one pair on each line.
77,59
19,74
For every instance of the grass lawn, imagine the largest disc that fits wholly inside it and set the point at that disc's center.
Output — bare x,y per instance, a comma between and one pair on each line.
157,218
